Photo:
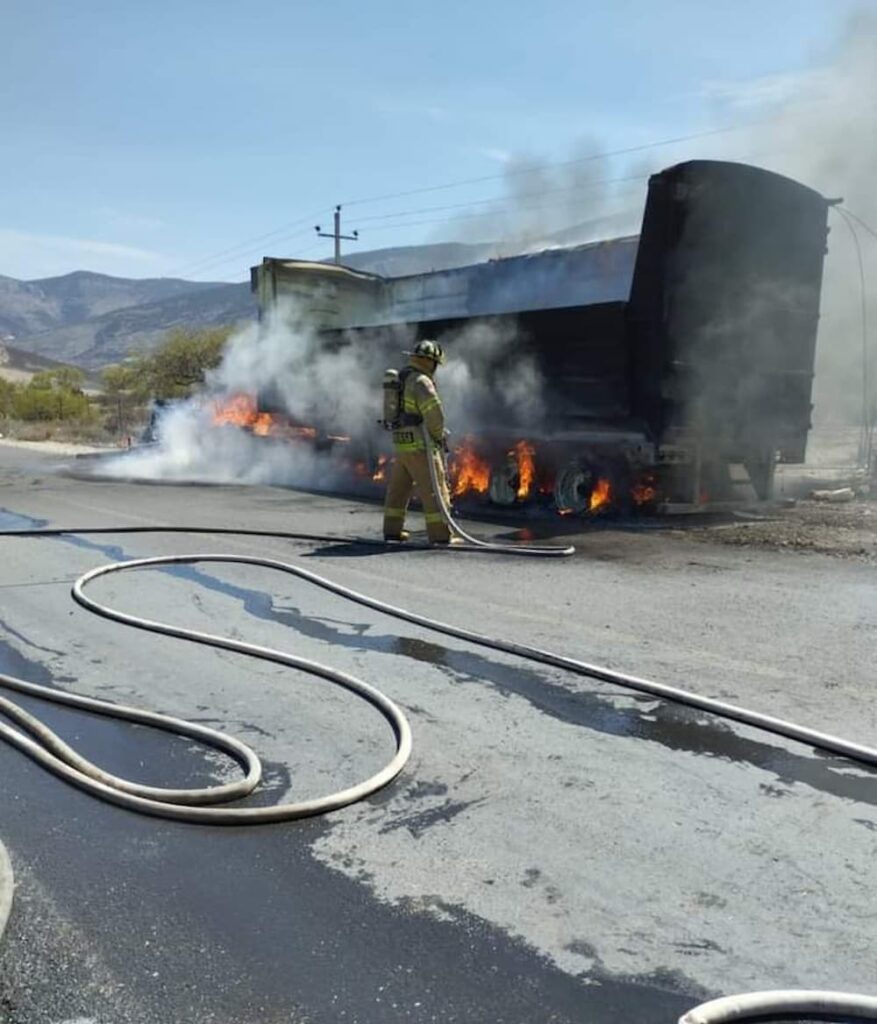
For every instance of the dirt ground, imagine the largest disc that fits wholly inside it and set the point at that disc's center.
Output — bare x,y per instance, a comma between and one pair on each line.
54,447
844,530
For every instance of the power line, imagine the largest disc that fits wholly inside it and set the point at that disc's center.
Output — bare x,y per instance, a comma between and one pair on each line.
563,163
582,187
867,430
336,234
219,261
209,261
474,216
239,253
859,221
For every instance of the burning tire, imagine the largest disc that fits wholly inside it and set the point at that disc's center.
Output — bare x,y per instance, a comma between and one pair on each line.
512,478
505,481
580,487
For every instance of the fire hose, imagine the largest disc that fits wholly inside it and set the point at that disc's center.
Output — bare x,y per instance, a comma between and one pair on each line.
199,805
433,457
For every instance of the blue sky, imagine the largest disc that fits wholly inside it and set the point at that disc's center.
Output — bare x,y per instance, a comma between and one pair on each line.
147,138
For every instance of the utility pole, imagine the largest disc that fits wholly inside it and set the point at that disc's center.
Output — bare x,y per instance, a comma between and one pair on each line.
336,234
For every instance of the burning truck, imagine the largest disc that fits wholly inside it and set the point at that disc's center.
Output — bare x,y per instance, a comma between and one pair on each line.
677,365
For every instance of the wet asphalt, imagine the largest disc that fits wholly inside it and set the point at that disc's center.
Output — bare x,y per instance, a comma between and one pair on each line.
555,850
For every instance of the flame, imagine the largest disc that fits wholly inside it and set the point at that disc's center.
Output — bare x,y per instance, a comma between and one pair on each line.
601,495
241,410
236,410
262,424
469,471
380,472
308,432
645,491
524,454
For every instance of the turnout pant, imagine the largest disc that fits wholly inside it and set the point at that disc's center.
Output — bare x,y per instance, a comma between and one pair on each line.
410,472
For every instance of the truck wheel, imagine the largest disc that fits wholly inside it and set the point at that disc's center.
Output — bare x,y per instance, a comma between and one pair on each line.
504,482
580,487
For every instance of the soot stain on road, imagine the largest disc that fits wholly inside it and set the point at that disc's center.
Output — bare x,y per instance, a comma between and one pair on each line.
418,823
242,922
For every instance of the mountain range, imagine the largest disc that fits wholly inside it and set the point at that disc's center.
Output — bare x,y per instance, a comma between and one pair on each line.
91,320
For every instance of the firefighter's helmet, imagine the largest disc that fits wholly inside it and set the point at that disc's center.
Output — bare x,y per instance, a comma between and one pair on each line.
428,349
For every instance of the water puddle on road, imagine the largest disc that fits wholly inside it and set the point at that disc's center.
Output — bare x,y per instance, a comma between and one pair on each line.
12,521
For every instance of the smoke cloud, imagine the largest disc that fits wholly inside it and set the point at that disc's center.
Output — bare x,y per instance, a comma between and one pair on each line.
546,205
818,127
288,368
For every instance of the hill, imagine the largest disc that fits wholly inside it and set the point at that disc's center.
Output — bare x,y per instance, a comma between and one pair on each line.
32,307
111,337
93,319
19,366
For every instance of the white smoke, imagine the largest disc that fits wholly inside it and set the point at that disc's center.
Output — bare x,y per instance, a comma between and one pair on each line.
288,367
546,205
819,128
192,448
488,382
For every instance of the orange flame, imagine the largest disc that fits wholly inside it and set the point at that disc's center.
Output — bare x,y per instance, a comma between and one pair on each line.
236,411
241,410
524,454
380,472
601,495
645,491
469,471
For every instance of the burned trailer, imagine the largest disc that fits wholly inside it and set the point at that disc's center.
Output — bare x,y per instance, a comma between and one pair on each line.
675,367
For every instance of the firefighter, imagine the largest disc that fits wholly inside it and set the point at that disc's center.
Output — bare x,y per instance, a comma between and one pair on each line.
420,408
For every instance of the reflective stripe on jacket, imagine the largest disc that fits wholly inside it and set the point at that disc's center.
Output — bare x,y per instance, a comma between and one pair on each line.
420,398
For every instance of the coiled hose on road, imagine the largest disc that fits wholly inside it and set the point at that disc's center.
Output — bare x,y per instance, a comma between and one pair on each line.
195,805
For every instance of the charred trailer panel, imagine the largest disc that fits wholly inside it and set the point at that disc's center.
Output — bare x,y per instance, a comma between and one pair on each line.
723,315
677,366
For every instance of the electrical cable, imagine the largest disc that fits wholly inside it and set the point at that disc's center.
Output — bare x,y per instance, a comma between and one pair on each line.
860,222
246,245
504,175
867,426
510,172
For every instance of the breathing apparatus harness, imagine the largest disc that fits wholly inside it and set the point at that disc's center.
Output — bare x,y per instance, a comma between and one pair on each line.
395,416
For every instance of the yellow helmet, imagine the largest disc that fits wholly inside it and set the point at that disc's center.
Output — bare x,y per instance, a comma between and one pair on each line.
428,349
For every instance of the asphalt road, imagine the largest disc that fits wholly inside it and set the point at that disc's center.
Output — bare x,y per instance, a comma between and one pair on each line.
556,850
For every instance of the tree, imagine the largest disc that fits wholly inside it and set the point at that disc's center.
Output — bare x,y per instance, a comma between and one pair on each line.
7,395
53,394
120,382
179,364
